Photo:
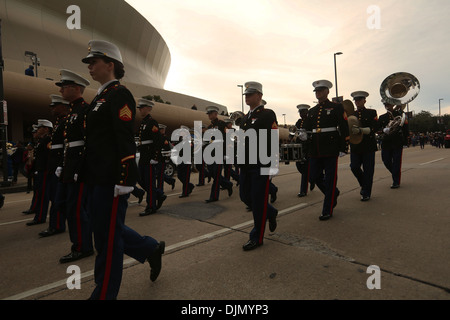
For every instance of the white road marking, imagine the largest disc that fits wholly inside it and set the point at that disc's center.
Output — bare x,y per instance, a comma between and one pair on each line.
129,261
425,163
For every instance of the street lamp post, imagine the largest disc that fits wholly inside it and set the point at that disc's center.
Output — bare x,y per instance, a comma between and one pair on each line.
335,74
284,116
242,95
440,107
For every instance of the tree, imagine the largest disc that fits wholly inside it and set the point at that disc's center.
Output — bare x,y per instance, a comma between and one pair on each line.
156,99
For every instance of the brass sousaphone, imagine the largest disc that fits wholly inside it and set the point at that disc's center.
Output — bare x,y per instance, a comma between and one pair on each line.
349,109
399,89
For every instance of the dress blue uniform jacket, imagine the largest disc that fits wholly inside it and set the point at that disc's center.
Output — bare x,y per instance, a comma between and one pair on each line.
75,130
368,119
328,115
110,146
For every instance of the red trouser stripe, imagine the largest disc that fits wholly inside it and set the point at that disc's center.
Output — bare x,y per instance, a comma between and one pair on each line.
150,187
186,185
78,216
110,248
264,216
216,191
334,187
43,194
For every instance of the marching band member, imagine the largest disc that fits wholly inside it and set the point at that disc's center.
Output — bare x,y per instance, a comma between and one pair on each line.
57,216
150,144
392,143
73,197
303,166
215,169
41,174
363,153
330,136
254,186
111,172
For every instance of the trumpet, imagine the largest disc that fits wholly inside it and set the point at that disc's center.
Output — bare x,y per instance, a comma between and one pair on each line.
295,133
237,117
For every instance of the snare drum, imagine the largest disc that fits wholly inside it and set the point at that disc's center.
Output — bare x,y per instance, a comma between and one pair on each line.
292,152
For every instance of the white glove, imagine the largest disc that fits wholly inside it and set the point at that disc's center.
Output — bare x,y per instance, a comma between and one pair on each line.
58,171
356,130
365,131
386,130
121,190
153,162
75,177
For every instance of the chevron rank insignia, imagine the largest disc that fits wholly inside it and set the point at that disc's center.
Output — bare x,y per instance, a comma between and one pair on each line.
125,113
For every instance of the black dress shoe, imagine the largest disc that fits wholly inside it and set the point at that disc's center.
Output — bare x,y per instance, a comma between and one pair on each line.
273,223
365,198
160,201
230,190
324,217
273,197
183,196
75,255
49,232
147,212
173,185
248,209
200,184
395,186
250,245
301,195
141,196
28,212
312,186
155,261
33,223
211,200
335,199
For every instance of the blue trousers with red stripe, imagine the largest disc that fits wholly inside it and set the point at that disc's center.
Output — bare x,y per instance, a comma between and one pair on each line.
303,168
218,180
392,159
57,214
148,174
113,239
42,197
184,175
323,172
161,177
254,192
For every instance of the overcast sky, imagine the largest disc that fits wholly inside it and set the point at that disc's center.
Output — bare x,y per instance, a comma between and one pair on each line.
216,45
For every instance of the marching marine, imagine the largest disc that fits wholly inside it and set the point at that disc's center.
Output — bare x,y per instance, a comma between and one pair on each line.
72,196
149,146
254,182
330,137
57,224
303,164
393,140
363,153
111,173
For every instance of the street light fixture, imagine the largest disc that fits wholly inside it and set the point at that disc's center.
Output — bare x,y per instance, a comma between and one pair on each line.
242,95
284,116
335,74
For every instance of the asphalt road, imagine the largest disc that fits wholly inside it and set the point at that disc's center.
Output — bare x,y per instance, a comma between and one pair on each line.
403,232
